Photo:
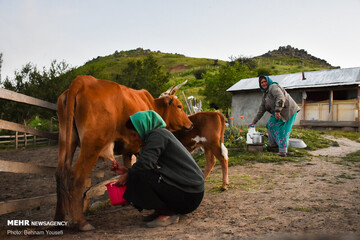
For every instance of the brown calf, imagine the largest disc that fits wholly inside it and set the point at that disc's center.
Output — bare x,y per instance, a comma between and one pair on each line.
208,132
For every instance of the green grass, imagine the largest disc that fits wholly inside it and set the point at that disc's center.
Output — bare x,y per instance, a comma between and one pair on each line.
285,65
235,141
314,139
354,136
351,159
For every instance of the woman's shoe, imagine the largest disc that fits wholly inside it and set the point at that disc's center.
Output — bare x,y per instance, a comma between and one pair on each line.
151,217
163,223
272,148
282,154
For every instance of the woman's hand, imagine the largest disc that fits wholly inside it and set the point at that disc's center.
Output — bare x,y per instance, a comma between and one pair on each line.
122,180
277,115
251,125
118,168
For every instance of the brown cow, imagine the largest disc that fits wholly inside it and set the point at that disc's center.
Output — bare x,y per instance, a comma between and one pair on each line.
208,132
92,115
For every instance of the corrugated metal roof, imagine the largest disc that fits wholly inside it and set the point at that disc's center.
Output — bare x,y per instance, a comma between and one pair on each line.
324,78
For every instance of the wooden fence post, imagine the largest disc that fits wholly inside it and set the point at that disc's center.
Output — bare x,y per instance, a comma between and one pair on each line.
51,129
16,140
25,140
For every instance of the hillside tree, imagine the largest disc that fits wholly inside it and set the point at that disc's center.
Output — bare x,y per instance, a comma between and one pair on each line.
217,84
45,85
144,74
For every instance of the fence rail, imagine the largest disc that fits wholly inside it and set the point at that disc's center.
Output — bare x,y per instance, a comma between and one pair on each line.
23,139
25,135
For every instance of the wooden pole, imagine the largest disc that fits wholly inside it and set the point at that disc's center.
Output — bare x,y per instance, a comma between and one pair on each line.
358,103
16,140
186,101
25,140
331,99
303,104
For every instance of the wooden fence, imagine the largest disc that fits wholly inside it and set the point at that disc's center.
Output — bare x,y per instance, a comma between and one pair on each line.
22,140
21,168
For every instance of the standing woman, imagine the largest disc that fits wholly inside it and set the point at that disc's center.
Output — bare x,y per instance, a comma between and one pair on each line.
283,111
165,177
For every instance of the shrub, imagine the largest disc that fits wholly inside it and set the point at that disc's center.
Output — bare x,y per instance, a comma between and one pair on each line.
43,124
199,73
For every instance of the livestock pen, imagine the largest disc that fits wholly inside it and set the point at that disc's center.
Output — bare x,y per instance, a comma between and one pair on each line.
24,166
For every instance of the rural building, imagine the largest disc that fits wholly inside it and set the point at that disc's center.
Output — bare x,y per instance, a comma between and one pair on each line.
328,98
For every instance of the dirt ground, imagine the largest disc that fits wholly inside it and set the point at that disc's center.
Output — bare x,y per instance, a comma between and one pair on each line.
311,199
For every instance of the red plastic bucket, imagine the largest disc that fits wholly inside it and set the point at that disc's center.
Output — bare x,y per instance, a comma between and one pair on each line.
116,193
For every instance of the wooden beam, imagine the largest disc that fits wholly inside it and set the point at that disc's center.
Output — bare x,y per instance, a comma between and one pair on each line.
19,167
22,128
317,123
331,99
303,104
100,188
187,104
26,203
358,103
18,97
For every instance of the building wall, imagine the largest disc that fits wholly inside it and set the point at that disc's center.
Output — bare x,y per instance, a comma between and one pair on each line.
247,103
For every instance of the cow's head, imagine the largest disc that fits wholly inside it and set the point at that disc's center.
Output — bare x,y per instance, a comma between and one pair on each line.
171,110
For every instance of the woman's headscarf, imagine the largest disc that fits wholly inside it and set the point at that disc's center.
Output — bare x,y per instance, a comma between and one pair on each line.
269,82
145,121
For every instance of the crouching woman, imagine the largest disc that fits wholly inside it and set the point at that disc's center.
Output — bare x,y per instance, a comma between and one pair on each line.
165,178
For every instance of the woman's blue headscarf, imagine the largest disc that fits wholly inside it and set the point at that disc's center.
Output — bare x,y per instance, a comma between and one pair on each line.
269,82
145,121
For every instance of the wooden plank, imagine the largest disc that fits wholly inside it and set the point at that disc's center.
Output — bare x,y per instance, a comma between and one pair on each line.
22,128
19,167
100,188
26,203
317,123
358,103
331,102
187,104
18,97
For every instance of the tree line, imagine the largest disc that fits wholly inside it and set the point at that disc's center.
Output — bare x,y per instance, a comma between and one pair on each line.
146,73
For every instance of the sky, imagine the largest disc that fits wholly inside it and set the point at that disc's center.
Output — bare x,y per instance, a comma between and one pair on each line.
76,31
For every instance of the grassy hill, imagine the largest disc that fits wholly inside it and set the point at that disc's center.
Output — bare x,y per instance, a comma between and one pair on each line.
290,60
107,66
281,61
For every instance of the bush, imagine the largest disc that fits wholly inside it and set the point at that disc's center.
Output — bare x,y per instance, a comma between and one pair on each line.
263,71
199,73
43,124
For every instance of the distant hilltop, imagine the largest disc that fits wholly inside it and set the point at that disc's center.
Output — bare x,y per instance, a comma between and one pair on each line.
289,51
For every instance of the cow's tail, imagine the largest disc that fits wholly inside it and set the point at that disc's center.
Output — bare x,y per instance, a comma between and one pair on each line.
67,175
64,176
224,151
74,88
